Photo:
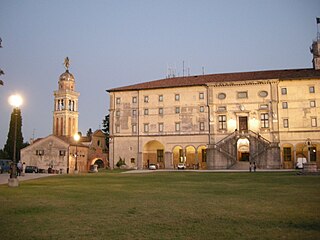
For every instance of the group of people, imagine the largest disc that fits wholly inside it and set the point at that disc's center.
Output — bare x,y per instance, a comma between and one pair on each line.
252,167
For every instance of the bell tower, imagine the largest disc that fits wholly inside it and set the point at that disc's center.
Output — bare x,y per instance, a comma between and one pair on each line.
65,114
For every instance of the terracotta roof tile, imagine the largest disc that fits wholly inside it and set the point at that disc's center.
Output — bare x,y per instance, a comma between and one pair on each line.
221,77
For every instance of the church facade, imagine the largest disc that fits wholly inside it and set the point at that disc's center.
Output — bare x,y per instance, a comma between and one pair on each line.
219,121
60,152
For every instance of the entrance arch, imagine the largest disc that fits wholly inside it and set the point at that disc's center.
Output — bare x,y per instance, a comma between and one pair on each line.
153,152
99,162
190,157
178,156
202,157
243,149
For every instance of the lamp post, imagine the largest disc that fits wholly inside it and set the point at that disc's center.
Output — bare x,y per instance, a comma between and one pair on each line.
76,137
15,101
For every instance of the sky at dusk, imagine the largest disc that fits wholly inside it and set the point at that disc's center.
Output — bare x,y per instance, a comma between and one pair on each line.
122,42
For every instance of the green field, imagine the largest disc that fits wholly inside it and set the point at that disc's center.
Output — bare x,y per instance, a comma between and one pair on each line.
163,205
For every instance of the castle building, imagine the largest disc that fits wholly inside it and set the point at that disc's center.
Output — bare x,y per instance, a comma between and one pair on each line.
219,121
60,152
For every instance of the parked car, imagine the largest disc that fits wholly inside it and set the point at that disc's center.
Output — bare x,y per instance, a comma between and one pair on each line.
5,165
152,166
31,169
300,162
181,166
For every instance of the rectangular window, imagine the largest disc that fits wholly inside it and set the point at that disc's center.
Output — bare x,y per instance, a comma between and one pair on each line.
177,127
313,154
201,126
117,113
283,91
242,94
160,111
222,119
134,128
201,95
177,97
40,152
62,152
117,129
132,160
146,127
134,112
146,111
264,106
160,155
264,117
284,105
311,89
312,103
160,127
204,155
118,100
177,109
134,99
222,108
160,98
313,122
201,108
146,99
287,154
286,123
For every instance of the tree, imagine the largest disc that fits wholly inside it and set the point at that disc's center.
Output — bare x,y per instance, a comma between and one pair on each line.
8,147
105,129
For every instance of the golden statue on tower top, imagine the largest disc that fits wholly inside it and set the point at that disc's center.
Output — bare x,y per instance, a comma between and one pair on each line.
66,63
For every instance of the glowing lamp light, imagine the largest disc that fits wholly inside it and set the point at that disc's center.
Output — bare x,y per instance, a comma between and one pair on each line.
232,125
76,137
15,100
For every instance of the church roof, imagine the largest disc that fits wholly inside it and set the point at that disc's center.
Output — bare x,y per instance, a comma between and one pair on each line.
222,77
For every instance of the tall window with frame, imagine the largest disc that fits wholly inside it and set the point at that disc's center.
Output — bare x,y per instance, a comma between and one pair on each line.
204,155
146,99
177,127
177,97
146,127
286,123
134,128
201,95
159,155
160,111
118,100
312,89
287,154
222,120
161,98
201,126
134,99
264,119
160,127
284,91
313,122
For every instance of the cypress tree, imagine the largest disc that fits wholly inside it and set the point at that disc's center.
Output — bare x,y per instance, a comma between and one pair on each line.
105,129
8,147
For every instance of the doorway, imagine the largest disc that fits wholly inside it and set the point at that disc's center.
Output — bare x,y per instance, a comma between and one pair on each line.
243,123
243,149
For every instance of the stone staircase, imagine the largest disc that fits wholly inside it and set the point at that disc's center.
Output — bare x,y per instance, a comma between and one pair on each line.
258,147
240,165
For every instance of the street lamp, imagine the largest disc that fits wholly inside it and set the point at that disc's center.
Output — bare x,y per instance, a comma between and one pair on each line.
15,101
76,137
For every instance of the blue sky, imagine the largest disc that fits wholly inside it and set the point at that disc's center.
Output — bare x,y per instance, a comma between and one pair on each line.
117,43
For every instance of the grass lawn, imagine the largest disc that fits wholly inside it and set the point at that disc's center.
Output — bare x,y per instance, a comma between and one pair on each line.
163,205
